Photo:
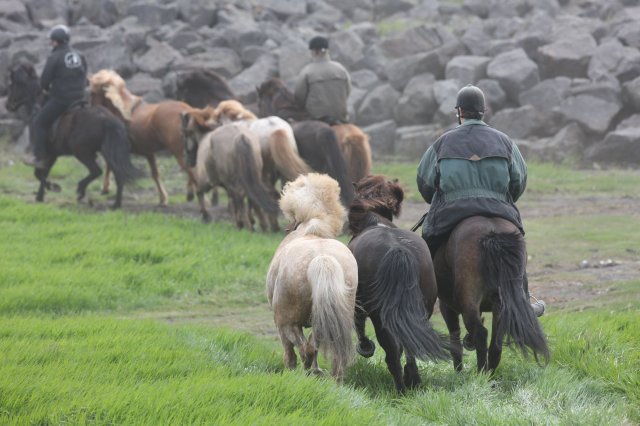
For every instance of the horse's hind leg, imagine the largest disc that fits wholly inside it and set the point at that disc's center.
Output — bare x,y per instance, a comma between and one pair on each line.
479,334
289,356
94,172
106,180
495,346
119,187
392,352
411,374
452,320
261,216
155,174
365,346
41,175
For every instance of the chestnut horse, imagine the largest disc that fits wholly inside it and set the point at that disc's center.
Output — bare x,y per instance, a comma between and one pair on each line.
82,132
274,98
396,283
481,269
152,126
312,277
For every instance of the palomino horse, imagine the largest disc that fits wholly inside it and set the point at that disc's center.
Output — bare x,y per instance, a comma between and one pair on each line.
312,278
274,98
81,132
279,149
152,127
481,269
396,283
228,156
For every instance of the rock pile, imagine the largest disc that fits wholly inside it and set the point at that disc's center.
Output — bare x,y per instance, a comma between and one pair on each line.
562,77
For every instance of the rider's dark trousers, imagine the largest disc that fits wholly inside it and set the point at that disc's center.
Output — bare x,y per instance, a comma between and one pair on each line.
41,125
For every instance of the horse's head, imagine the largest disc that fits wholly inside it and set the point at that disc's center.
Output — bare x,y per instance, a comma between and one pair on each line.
268,93
312,203
195,124
202,87
108,89
375,193
24,89
230,111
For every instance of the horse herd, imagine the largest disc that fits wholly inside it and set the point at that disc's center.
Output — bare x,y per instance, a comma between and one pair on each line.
227,146
385,273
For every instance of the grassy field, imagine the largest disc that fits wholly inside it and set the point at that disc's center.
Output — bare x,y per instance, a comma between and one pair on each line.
121,318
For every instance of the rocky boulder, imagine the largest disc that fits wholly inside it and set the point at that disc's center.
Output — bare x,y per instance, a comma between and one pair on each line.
514,71
417,103
467,69
377,105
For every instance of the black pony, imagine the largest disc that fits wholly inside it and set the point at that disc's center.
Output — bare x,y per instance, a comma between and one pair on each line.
202,87
396,282
82,132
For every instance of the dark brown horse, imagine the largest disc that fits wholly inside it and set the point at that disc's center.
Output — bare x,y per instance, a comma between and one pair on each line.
200,88
152,127
317,142
274,98
82,132
396,282
481,269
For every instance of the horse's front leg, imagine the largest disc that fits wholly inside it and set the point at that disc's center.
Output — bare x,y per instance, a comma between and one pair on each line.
206,217
155,174
41,175
106,181
94,172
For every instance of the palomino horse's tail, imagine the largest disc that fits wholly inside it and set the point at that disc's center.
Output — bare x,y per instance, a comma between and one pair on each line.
331,313
503,260
355,147
396,294
116,149
249,176
287,160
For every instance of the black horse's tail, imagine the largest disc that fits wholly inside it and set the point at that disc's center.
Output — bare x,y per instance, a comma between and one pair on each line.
503,260
116,149
396,295
336,163
250,177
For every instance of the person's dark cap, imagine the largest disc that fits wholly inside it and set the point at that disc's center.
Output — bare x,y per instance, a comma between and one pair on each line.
470,98
60,33
318,43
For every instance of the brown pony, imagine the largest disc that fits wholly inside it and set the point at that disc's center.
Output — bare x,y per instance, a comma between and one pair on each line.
274,98
228,156
481,269
152,127
312,277
396,283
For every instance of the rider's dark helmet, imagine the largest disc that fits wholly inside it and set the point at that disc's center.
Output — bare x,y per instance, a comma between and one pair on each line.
471,99
318,43
60,33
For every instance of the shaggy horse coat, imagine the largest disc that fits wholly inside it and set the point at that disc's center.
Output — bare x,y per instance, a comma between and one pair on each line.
312,278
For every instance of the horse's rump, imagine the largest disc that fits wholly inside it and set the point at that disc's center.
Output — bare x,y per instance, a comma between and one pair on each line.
354,144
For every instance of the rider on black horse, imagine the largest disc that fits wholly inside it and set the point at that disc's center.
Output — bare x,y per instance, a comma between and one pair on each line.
323,86
64,78
471,170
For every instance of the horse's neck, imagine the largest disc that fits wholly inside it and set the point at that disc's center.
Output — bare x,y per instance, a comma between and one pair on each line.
359,220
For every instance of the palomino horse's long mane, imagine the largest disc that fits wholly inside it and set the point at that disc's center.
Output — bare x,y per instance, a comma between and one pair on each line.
232,110
377,200
115,89
312,202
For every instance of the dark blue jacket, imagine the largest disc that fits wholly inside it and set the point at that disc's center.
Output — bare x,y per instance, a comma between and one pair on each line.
65,74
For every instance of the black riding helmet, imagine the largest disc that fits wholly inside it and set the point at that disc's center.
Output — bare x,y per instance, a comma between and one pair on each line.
60,33
318,43
470,98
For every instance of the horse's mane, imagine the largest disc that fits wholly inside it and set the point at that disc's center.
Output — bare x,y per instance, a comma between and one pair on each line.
115,90
232,110
377,200
203,86
312,201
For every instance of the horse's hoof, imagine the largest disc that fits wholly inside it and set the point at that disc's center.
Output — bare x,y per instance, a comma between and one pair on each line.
53,187
468,344
104,192
206,218
315,372
366,348
190,196
39,199
115,206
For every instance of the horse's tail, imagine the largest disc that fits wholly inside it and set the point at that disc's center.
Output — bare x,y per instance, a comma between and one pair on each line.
396,295
336,164
287,160
249,176
503,260
357,152
331,313
116,150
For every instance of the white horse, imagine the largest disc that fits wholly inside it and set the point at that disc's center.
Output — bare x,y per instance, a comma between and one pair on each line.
313,277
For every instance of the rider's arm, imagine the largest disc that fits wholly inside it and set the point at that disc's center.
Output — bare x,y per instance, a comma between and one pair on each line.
48,72
517,174
301,90
426,178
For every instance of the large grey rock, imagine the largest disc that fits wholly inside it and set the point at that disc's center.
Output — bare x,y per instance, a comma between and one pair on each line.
158,59
291,59
412,141
11,128
183,39
346,47
381,138
285,7
445,93
378,105
242,34
14,11
514,71
536,32
146,86
321,15
494,96
607,89
509,8
592,113
414,41
631,92
568,56
5,63
48,12
520,123
477,38
624,25
221,60
103,13
399,71
612,58
467,69
547,94
567,145
620,147
364,79
153,14
197,13
417,103
243,85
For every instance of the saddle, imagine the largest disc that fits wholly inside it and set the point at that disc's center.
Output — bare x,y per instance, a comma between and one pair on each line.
76,105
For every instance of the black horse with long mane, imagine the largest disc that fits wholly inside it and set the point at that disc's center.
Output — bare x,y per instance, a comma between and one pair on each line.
396,282
82,131
201,87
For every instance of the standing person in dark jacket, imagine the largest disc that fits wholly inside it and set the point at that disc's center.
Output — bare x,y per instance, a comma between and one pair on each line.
323,86
471,170
63,78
